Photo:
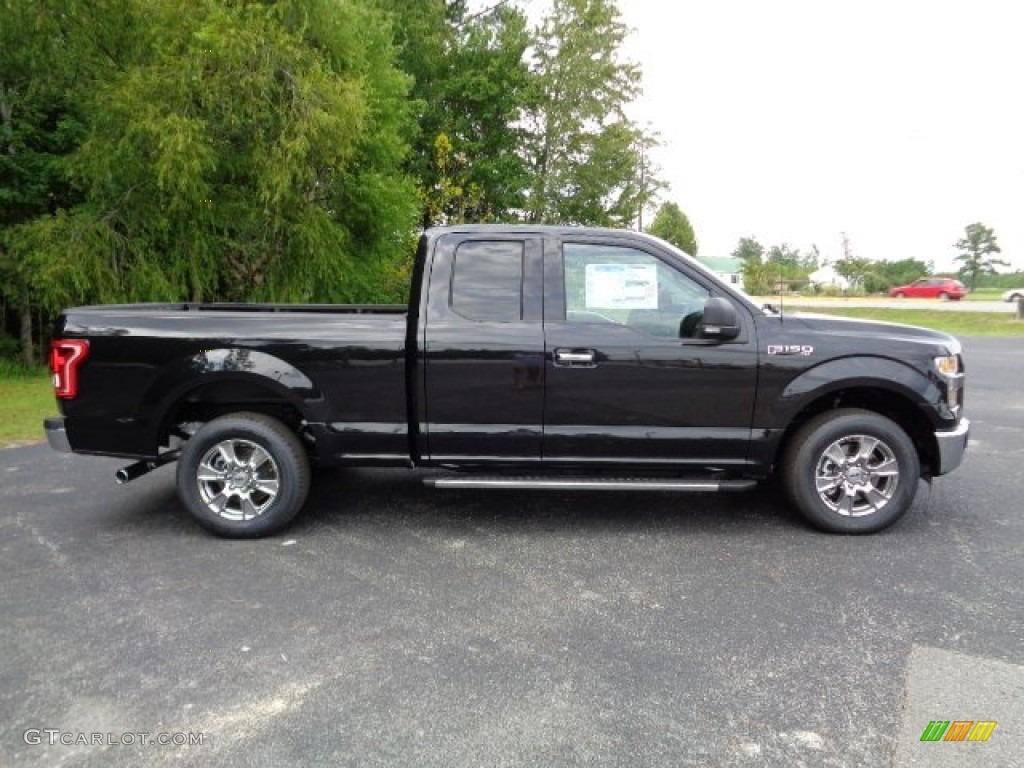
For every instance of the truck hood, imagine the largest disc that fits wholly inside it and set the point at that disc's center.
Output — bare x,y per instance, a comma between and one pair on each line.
873,331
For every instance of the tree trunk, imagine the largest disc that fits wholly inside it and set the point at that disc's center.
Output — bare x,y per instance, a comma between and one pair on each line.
28,356
1020,308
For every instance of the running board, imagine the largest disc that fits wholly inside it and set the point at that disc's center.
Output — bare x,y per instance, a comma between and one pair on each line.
591,484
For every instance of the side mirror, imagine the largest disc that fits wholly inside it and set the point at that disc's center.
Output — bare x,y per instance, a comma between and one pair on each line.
720,321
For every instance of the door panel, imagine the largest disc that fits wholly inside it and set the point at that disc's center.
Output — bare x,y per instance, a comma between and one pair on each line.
638,386
484,350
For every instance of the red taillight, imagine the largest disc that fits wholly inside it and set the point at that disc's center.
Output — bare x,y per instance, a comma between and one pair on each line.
65,357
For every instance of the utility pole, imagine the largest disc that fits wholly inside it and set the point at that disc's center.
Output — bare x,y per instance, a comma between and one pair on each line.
643,183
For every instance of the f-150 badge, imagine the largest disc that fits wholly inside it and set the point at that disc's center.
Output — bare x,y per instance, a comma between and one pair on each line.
790,349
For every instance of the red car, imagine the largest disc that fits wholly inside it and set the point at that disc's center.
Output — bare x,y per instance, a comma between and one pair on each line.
930,288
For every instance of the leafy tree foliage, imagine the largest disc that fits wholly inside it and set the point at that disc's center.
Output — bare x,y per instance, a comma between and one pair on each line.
39,126
976,248
244,151
855,269
1003,281
762,268
749,249
486,89
211,150
583,153
672,225
790,263
793,260
471,84
422,33
501,140
886,274
756,274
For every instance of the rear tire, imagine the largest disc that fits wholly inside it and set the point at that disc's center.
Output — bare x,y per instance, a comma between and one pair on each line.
243,475
943,296
851,471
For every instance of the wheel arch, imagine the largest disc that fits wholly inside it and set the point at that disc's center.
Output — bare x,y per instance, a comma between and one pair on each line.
217,382
894,405
221,395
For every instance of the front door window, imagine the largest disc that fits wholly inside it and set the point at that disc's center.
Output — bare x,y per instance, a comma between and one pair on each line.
624,286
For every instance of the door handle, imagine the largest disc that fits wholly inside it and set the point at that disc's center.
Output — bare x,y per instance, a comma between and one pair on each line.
575,358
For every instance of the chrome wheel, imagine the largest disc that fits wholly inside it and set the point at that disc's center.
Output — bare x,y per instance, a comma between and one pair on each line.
238,479
857,475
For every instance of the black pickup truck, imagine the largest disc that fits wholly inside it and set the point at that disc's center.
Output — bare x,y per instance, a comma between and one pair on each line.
528,357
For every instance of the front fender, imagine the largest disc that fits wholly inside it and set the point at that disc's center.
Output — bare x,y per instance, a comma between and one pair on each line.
776,410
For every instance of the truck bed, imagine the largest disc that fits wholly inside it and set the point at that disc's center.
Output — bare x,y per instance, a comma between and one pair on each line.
344,309
339,364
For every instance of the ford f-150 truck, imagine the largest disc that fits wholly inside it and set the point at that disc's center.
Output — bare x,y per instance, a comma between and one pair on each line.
528,357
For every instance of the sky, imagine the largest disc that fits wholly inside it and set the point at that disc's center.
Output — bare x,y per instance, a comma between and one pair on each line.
897,122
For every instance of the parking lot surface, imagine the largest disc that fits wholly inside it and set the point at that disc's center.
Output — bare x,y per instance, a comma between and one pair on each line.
394,625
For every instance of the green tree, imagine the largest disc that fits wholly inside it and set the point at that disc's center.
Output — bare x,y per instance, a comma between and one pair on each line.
471,86
855,269
584,155
811,260
885,274
39,126
976,249
749,249
757,277
245,151
451,197
485,94
672,225
785,260
423,33
788,264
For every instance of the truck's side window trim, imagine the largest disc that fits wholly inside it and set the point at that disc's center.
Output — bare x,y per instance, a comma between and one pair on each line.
487,281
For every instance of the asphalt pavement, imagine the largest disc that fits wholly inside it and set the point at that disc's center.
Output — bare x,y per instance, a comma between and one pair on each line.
394,625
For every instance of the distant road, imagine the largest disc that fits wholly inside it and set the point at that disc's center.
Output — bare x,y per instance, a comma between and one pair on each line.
946,306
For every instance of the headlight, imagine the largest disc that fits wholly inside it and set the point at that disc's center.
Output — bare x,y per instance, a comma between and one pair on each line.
948,365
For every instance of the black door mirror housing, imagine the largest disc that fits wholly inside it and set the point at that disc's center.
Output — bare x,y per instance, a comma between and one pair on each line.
720,321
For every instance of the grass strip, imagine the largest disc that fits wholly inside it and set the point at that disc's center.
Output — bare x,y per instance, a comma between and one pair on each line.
25,400
951,321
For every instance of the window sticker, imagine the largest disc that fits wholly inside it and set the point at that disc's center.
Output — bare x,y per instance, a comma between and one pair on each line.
622,286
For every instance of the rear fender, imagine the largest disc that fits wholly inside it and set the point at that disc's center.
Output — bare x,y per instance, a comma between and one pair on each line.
252,370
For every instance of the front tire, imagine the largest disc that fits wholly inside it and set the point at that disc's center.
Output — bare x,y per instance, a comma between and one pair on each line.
943,296
851,471
243,476
900,295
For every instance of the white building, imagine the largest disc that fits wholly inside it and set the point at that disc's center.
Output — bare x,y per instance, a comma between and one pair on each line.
729,269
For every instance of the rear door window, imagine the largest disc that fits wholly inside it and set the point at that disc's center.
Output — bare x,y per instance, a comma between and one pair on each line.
487,281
